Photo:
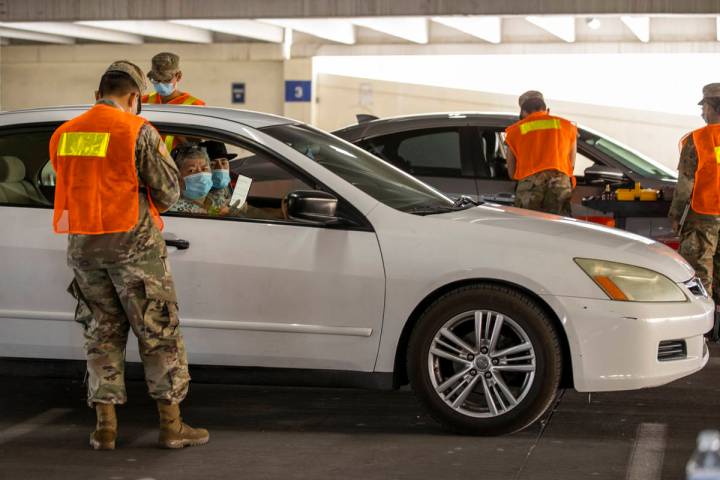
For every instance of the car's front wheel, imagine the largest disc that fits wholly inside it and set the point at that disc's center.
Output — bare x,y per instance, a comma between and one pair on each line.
485,360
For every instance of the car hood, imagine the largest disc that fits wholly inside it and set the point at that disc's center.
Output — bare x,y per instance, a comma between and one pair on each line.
537,232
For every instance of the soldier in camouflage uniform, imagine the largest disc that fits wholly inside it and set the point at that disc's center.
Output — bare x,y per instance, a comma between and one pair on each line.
698,232
123,281
549,190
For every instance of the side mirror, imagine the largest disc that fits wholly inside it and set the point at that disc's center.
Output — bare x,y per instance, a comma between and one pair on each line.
600,174
312,206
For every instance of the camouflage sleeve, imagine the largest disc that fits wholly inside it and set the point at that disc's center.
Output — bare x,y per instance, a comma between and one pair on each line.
686,179
157,171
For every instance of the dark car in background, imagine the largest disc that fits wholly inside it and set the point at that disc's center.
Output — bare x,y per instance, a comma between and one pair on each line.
465,154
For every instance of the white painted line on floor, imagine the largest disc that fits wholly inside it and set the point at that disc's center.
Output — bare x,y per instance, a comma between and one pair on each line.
648,452
23,428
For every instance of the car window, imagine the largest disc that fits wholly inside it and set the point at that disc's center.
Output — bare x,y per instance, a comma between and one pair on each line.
258,186
428,152
630,159
26,177
377,178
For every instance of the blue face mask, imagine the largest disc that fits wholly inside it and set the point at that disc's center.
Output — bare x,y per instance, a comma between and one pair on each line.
197,185
164,89
220,178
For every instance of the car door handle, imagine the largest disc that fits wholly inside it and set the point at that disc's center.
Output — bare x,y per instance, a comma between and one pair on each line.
178,243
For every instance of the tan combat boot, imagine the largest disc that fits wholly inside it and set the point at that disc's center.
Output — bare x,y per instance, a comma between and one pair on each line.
103,438
174,433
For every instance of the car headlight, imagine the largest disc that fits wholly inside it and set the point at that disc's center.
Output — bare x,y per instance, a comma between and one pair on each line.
627,283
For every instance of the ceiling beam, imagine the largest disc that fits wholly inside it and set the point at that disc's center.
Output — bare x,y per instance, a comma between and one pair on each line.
488,28
76,31
341,31
34,36
562,26
150,28
413,29
74,10
640,26
242,28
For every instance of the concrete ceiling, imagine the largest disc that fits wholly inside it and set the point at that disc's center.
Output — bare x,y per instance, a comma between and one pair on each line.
75,10
382,32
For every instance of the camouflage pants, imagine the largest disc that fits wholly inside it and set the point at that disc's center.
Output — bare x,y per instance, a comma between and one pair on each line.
140,296
699,246
549,191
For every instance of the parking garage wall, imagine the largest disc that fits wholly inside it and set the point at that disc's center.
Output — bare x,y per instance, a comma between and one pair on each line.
340,98
34,76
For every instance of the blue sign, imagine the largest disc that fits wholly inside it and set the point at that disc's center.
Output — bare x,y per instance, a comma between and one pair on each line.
238,93
298,90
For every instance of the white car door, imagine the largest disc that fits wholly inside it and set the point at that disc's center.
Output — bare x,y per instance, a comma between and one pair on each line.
277,293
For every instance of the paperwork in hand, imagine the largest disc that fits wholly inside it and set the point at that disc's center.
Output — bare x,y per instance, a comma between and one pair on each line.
242,187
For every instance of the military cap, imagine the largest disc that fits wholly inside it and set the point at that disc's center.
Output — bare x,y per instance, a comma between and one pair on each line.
711,90
164,66
529,95
130,69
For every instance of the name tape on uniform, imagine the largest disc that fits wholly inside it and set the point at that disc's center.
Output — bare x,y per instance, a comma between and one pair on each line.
83,144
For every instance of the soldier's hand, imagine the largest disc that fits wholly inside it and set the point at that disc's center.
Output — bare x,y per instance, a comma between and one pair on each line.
676,227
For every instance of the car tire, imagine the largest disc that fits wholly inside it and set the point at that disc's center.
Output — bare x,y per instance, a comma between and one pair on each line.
442,370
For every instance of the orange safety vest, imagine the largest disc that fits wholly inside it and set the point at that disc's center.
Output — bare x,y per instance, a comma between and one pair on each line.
706,192
541,142
97,186
183,99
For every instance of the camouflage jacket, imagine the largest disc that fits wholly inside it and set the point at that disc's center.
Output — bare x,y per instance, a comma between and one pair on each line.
159,177
686,181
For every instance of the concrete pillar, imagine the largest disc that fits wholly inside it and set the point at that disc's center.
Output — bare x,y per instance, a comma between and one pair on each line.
299,89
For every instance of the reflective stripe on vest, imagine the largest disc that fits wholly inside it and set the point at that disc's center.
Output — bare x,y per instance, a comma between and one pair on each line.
97,185
541,142
84,144
706,191
169,142
552,124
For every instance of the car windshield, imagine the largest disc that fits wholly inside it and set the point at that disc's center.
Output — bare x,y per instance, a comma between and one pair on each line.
377,178
632,160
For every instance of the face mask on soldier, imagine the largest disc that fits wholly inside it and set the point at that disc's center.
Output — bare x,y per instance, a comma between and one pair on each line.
164,89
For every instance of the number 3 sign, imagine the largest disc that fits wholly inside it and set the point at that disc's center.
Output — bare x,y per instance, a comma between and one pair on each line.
298,90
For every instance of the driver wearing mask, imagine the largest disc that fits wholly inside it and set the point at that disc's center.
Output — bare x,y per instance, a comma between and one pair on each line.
195,180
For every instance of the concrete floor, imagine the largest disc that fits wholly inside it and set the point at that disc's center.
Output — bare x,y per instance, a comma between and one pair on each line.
273,433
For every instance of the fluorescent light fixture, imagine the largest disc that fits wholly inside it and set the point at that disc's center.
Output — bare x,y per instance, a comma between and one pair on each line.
413,29
341,31
562,26
593,23
640,26
488,28
241,28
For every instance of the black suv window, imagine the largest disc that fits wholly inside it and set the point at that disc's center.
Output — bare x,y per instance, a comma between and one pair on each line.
431,152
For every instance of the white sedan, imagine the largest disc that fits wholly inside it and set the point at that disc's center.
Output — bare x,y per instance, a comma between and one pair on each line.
361,275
